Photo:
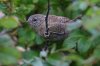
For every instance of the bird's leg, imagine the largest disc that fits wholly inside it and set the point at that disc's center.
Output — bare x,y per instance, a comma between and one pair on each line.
47,34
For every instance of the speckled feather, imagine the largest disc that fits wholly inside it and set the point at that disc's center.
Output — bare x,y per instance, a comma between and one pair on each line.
56,25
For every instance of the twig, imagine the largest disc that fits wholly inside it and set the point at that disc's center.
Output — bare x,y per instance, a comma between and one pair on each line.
82,14
86,10
46,25
46,19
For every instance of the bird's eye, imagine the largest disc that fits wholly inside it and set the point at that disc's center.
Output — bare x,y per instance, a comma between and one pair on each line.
34,19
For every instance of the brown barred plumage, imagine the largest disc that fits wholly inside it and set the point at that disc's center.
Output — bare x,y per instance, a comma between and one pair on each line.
57,25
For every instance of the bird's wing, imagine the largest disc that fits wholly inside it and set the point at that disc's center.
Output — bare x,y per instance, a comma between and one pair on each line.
57,28
60,19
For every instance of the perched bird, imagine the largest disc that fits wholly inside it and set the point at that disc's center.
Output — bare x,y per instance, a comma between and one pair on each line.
59,27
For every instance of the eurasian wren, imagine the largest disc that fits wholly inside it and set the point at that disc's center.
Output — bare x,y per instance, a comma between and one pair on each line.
57,25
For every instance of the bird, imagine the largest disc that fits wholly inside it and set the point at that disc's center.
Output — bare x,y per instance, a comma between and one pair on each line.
58,26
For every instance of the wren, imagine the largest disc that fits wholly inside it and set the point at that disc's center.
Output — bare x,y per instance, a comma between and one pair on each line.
58,26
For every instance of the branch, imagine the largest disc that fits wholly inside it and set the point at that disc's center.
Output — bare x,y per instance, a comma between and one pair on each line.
46,19
83,13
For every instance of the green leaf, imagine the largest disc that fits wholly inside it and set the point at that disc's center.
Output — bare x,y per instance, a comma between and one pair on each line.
35,1
9,22
83,5
39,40
26,36
57,60
94,1
84,45
97,52
9,55
37,62
92,23
30,54
76,58
5,40
71,41
3,7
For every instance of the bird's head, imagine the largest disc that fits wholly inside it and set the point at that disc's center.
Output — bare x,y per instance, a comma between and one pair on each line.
36,20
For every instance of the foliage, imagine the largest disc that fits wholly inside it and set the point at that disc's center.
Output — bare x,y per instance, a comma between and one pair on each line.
21,46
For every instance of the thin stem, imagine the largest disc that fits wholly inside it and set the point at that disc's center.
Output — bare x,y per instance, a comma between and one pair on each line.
46,18
83,13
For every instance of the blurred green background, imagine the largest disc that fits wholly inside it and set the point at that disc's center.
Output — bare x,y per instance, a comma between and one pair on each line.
21,46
